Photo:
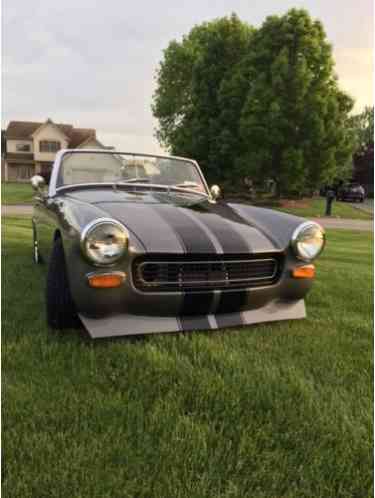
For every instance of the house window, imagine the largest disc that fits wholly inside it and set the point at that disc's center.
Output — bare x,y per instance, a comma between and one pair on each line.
49,146
25,172
23,147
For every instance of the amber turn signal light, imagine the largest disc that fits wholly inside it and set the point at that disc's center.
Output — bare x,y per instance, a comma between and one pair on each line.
106,280
306,271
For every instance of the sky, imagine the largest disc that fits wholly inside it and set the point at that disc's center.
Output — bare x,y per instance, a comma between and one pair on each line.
92,63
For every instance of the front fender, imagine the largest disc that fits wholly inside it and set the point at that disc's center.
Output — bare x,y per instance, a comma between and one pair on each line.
74,216
277,226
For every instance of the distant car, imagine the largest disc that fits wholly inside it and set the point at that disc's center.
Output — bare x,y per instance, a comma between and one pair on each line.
138,244
353,192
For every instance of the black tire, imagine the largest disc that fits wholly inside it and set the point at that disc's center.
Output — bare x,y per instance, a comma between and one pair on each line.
362,199
61,311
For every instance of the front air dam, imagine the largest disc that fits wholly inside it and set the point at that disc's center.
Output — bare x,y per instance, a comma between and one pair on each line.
127,325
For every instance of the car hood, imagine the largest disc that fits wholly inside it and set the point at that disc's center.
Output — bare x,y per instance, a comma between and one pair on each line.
163,223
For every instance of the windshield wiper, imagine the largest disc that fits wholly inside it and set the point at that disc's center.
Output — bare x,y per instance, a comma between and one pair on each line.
181,187
187,185
134,180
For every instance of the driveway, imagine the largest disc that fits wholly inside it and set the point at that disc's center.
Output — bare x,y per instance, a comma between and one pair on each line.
16,210
366,225
367,205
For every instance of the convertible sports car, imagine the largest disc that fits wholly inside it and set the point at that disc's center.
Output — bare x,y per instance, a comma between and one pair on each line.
138,244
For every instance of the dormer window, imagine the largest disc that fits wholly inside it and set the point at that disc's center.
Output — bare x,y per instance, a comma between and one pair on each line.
49,146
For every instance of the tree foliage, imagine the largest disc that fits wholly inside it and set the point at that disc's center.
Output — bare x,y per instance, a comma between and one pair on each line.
188,101
261,103
363,130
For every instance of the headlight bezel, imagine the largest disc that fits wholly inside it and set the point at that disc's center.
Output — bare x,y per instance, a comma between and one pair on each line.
95,224
295,240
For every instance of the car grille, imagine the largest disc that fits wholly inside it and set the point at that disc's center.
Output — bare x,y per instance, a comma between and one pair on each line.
153,273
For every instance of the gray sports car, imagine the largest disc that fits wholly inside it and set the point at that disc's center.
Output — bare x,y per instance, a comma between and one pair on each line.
138,244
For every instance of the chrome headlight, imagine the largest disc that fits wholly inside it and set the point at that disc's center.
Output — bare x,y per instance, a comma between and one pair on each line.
308,241
104,241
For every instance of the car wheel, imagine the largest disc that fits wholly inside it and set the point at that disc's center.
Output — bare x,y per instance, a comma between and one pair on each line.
36,255
361,199
61,311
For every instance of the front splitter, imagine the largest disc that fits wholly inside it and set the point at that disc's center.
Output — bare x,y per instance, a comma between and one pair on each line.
127,325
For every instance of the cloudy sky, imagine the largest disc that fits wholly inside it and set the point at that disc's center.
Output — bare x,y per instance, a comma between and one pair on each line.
92,63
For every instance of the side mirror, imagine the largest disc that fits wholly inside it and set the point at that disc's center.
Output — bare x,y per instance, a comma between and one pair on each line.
38,183
215,192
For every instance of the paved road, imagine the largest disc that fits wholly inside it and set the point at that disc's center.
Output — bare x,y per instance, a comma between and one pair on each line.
19,210
367,205
366,225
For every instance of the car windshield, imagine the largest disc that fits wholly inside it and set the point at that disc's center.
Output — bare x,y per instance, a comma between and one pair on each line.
128,169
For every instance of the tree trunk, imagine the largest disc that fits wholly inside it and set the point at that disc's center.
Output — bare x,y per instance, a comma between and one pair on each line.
277,189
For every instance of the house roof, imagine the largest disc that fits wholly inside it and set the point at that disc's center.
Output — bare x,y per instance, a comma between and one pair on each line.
92,138
23,130
80,135
64,129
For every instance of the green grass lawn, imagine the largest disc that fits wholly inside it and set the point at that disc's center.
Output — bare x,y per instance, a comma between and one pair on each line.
316,208
268,411
16,193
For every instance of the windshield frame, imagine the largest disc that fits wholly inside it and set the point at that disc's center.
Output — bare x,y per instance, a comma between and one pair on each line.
53,189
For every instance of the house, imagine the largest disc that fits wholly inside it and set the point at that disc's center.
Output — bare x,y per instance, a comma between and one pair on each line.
30,147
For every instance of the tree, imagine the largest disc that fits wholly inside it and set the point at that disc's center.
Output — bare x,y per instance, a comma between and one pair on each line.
188,99
294,121
362,126
259,103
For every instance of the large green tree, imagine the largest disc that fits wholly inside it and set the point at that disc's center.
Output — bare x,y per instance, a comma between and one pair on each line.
363,130
294,122
187,102
261,103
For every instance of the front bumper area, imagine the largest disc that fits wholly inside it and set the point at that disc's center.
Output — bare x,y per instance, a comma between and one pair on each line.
128,300
127,325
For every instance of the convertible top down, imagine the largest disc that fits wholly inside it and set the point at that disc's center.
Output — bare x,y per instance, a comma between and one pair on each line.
138,244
